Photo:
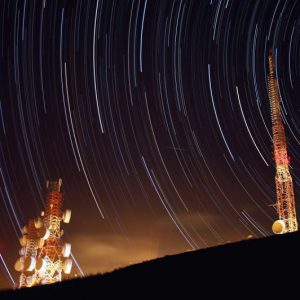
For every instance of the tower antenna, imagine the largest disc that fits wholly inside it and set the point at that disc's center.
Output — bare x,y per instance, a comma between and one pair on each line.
43,257
287,221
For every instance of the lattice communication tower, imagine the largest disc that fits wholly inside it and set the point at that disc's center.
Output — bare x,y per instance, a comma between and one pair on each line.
285,204
43,256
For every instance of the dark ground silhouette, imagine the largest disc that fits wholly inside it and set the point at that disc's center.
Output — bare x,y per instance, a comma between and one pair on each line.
246,270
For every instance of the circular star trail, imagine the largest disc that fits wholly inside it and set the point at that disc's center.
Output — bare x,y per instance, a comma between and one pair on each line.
156,116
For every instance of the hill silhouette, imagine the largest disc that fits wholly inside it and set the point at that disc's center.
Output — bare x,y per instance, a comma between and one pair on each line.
251,266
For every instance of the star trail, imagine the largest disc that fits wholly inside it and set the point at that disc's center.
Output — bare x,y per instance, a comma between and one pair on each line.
156,116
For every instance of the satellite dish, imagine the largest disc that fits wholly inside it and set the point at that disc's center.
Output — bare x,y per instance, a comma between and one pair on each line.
41,265
67,216
29,263
38,223
40,243
29,280
23,240
67,266
44,233
66,250
19,265
278,227
22,251
24,229
59,183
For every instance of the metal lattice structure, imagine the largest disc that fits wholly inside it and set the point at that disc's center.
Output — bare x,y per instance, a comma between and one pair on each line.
51,251
44,252
28,253
284,184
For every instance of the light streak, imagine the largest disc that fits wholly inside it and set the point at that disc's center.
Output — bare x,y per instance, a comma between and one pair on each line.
219,125
238,96
7,270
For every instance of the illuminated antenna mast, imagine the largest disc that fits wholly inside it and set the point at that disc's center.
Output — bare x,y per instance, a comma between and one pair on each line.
284,184
42,253
50,264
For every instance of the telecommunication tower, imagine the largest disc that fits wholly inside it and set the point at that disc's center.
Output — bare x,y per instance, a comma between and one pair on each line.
50,256
47,252
287,221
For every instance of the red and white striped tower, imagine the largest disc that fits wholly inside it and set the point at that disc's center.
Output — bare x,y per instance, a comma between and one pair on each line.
50,259
42,256
287,221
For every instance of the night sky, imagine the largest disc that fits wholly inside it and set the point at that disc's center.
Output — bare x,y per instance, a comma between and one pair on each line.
156,116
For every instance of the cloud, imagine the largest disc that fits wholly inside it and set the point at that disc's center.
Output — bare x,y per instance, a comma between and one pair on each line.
204,228
98,254
198,220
